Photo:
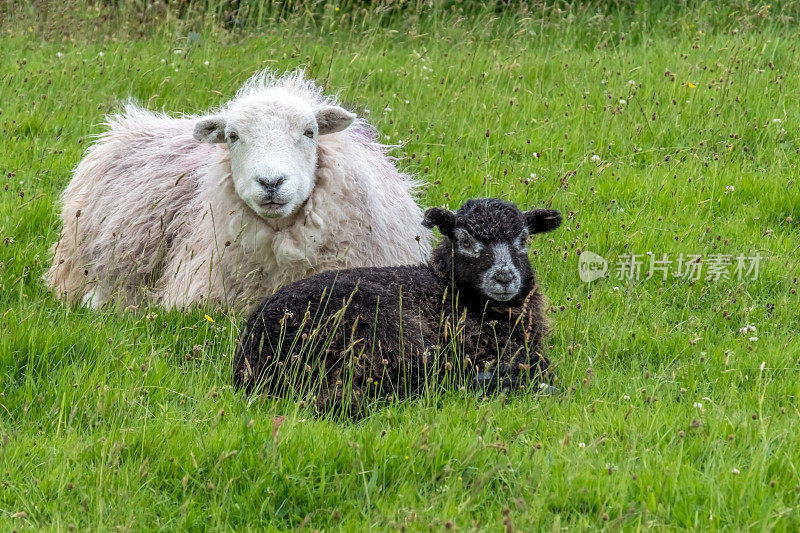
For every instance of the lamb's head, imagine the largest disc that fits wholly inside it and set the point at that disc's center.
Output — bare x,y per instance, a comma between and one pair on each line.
485,246
272,137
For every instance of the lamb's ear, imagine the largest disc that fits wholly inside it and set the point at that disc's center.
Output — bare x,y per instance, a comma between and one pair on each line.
210,130
445,220
542,220
331,118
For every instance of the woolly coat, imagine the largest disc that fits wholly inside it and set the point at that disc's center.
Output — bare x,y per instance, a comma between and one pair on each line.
386,332
151,214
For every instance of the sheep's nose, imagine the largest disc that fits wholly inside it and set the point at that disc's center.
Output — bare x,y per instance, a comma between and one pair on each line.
271,184
504,276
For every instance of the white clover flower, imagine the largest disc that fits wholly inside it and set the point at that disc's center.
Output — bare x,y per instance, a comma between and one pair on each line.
623,101
735,472
163,60
595,158
206,63
753,339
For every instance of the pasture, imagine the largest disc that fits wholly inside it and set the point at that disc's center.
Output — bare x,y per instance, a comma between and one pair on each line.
667,137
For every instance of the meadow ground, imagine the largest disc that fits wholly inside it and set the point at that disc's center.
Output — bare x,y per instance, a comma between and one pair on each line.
659,132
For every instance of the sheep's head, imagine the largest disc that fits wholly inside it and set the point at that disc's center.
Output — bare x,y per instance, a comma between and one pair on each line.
485,246
272,138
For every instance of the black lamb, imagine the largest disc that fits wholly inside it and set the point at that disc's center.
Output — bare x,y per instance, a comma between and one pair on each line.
474,313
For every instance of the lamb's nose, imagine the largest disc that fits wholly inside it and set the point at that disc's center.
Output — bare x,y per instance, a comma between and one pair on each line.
271,184
504,276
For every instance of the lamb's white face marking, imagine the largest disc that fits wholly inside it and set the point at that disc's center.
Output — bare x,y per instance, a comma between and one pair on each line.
272,139
521,242
502,281
466,244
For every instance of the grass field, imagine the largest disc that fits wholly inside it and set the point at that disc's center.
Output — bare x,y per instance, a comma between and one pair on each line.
663,132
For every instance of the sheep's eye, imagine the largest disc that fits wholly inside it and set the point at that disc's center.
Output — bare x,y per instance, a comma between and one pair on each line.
468,244
233,137
309,133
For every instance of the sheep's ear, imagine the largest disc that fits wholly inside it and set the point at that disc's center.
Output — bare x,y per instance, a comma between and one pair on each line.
210,130
542,220
331,118
445,220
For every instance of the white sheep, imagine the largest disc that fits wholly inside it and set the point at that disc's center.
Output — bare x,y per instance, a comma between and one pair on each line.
278,184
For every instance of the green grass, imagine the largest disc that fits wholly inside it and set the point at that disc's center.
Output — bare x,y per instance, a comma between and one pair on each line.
129,421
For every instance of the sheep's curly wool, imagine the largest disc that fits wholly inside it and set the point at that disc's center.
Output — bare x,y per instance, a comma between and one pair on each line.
151,213
388,332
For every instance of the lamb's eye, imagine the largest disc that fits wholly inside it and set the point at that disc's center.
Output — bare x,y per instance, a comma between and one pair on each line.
233,137
467,244
309,133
